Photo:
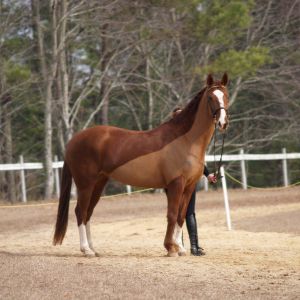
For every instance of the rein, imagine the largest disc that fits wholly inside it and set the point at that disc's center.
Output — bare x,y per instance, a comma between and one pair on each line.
217,168
214,114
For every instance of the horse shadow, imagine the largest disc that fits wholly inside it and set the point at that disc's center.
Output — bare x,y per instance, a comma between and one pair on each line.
79,255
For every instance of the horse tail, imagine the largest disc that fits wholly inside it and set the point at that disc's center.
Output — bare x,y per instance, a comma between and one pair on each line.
63,206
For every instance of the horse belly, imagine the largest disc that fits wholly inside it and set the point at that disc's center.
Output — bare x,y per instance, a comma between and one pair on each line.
143,171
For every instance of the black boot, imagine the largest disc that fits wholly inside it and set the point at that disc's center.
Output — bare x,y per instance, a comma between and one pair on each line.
191,225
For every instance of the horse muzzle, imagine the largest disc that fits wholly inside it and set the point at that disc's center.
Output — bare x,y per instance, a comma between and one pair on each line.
223,126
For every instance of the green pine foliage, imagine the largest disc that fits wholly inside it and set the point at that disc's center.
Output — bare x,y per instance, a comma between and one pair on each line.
240,63
158,48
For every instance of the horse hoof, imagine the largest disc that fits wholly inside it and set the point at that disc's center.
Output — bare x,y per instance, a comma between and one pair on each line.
172,254
182,251
88,252
96,253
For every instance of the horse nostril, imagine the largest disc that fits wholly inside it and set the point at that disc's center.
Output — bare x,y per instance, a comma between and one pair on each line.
222,126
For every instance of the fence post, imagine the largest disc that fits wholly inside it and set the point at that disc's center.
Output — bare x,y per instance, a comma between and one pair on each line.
226,202
56,171
243,169
285,169
23,183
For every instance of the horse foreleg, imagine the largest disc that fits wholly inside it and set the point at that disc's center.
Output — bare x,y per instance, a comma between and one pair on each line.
89,237
178,240
186,197
181,217
174,194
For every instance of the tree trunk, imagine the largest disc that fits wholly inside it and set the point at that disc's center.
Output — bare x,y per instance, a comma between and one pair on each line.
8,149
103,89
105,107
7,179
11,189
64,76
2,174
49,184
48,73
150,95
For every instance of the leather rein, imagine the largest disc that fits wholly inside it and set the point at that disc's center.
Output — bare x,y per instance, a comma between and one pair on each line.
214,115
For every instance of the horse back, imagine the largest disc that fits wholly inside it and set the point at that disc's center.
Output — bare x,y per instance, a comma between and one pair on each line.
105,148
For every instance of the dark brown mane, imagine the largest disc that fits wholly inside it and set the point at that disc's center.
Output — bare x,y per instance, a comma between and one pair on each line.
187,115
181,123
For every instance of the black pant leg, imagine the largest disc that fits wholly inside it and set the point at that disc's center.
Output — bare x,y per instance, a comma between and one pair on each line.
191,207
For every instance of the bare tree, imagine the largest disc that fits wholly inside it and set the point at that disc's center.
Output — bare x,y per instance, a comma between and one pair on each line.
48,72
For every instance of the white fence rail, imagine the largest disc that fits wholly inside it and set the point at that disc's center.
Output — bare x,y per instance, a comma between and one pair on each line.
242,157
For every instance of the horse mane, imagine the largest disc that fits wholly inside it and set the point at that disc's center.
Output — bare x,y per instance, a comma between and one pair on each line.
187,115
181,123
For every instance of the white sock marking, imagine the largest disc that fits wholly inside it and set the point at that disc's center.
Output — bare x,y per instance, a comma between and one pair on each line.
88,235
84,245
178,238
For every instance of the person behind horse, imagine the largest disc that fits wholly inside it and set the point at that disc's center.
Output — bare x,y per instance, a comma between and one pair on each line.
190,218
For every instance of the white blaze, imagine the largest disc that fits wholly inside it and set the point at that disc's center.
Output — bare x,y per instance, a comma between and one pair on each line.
220,96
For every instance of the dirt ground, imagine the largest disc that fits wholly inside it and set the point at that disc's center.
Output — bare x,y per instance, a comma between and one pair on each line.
258,259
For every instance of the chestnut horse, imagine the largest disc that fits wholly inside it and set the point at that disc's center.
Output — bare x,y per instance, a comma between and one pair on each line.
170,156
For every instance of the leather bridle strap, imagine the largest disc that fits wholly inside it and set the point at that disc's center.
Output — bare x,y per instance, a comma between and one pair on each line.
212,109
215,111
214,114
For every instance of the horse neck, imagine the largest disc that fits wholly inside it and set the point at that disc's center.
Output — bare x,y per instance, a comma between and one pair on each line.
202,129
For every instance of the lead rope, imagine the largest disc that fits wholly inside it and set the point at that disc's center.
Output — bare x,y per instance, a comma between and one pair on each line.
217,168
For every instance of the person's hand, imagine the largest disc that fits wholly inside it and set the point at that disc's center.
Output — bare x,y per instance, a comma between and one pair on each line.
212,178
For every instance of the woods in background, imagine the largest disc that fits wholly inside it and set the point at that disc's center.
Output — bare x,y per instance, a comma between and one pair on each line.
66,65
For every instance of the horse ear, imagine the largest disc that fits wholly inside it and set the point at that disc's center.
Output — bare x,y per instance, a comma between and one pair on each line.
224,80
209,80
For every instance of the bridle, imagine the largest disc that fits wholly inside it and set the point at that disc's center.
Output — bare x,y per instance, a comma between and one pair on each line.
214,115
213,110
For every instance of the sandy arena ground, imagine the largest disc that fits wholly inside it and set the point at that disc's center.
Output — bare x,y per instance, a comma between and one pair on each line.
258,259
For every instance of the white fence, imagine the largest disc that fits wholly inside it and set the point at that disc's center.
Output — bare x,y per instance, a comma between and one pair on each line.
242,157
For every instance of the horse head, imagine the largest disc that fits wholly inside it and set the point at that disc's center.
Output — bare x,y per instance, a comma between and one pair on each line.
217,99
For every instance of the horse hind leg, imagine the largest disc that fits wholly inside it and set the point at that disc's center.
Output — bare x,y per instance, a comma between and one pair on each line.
94,200
84,197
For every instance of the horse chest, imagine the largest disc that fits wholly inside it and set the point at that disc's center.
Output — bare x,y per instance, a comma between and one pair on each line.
192,166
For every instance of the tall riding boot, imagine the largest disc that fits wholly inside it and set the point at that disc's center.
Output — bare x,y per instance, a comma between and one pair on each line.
191,225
